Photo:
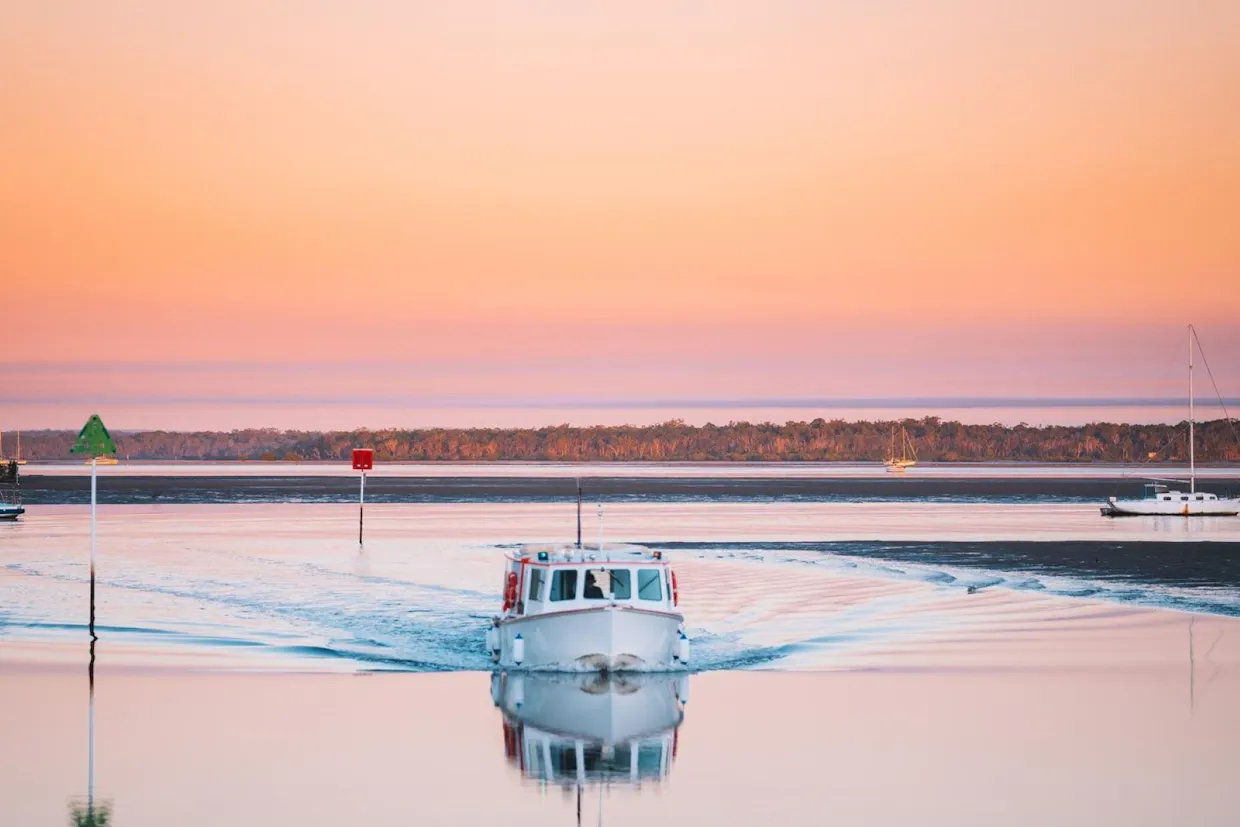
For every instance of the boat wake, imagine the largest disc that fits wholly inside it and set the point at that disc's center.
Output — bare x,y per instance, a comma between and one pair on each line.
748,605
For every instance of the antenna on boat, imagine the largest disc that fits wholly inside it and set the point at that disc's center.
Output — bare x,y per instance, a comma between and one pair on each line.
578,512
600,530
1192,464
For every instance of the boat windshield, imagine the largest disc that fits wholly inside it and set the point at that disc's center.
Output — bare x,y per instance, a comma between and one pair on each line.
602,584
564,584
648,586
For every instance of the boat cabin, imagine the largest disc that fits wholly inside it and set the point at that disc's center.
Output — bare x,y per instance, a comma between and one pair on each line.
543,579
1158,491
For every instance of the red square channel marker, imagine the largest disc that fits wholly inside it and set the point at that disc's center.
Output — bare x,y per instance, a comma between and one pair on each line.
363,459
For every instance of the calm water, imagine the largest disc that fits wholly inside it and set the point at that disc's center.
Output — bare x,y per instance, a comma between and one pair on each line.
253,666
784,585
1088,747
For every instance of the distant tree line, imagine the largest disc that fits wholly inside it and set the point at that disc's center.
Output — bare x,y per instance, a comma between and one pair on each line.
819,440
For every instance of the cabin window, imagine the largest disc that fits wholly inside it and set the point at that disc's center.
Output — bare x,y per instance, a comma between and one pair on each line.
621,585
620,762
1201,496
1183,499
564,584
648,587
534,760
1167,497
592,758
602,584
537,578
564,755
649,760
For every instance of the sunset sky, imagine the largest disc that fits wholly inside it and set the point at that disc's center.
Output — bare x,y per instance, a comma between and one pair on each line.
329,214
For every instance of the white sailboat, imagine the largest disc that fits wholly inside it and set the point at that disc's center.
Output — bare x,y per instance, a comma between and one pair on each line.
17,459
898,465
1159,499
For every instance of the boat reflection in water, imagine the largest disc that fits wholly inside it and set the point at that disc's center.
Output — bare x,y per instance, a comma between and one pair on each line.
575,730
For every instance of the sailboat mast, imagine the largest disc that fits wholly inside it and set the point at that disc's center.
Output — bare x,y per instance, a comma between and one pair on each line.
1192,461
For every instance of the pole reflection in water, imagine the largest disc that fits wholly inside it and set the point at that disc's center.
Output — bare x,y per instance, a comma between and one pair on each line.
590,730
88,815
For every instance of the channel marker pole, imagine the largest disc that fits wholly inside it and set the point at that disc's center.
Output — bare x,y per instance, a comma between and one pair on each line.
94,441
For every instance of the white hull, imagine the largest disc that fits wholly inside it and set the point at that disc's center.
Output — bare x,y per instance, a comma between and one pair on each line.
602,638
606,708
1150,507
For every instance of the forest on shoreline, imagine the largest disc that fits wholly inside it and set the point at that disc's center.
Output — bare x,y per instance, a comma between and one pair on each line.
820,440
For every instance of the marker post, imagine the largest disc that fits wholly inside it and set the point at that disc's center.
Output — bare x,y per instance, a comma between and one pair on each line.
94,441
363,460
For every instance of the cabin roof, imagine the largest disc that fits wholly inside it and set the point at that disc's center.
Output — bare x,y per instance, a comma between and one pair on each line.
588,553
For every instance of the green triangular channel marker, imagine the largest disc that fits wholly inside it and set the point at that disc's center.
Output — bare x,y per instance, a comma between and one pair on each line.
94,440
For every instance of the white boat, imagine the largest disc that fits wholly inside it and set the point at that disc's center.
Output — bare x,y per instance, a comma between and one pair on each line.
579,607
1159,499
10,499
10,507
900,464
575,730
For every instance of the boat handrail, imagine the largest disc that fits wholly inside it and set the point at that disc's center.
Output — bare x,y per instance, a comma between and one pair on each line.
561,554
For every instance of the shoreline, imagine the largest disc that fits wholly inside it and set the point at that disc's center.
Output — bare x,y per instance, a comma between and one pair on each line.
119,488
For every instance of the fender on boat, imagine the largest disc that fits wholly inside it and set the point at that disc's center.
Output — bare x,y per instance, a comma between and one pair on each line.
493,642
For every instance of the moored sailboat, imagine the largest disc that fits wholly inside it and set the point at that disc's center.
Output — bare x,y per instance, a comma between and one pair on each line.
16,459
1160,499
898,465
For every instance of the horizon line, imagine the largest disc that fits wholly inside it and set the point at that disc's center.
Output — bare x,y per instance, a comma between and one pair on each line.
860,402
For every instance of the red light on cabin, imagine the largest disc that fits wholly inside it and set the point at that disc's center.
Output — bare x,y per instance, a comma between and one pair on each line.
363,459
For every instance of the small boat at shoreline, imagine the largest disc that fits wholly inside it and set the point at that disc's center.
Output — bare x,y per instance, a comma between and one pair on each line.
1159,499
10,497
10,506
583,608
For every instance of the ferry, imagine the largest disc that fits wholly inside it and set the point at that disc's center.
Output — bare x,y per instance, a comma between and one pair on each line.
586,608
578,730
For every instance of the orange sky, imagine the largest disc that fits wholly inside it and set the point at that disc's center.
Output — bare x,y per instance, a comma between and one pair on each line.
463,187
